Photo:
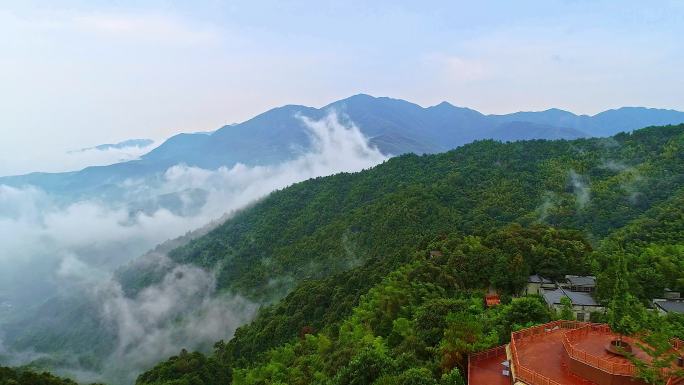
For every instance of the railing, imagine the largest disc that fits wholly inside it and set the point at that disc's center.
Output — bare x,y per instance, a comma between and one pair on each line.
545,328
678,344
615,368
523,373
483,355
576,331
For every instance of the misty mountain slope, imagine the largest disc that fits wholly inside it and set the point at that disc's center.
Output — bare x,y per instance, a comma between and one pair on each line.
323,226
652,245
268,138
476,191
395,126
514,131
320,243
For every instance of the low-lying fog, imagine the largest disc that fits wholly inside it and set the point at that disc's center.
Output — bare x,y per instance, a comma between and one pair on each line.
50,248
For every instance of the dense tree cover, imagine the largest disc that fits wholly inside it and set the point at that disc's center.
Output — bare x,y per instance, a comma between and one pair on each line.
475,262
326,225
187,369
336,257
482,206
652,247
11,376
418,324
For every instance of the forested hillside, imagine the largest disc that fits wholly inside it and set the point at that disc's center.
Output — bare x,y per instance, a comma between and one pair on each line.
10,376
325,225
352,252
353,295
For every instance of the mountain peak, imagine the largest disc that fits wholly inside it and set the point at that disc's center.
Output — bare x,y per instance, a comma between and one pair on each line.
444,104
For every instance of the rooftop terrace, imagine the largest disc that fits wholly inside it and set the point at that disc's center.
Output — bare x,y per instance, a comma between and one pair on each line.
560,353
539,355
485,368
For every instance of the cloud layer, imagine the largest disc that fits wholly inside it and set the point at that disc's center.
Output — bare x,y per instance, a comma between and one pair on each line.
46,247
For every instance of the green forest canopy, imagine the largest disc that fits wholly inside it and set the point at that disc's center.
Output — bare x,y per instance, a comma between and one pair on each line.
342,261
356,244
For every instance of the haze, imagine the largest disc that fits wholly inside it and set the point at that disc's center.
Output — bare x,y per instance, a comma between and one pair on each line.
80,73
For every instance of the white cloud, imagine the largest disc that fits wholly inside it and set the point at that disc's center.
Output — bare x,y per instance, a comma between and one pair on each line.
182,311
77,245
581,188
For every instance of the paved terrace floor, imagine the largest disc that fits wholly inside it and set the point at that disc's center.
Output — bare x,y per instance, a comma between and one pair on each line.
595,343
488,371
546,355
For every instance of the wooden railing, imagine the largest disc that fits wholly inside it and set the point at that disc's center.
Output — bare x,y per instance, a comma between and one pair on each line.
615,368
575,332
483,355
518,338
678,344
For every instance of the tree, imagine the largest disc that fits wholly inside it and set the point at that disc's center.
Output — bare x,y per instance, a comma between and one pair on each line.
416,376
620,319
566,309
367,366
658,368
526,310
464,334
453,377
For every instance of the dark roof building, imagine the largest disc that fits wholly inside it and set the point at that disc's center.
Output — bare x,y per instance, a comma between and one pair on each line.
553,297
583,304
538,279
669,305
535,284
585,283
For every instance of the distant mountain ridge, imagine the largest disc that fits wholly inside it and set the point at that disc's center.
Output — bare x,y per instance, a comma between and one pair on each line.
395,126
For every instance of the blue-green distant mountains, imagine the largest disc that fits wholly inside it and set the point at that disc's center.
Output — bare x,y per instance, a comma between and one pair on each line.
395,126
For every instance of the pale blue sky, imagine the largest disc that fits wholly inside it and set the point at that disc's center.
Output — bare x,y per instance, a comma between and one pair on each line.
79,73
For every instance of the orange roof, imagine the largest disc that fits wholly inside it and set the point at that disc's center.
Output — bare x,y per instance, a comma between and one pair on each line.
492,300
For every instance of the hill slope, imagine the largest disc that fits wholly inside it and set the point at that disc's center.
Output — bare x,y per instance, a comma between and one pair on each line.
314,248
497,212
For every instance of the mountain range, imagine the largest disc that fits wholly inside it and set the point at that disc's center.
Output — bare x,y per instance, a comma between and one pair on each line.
394,126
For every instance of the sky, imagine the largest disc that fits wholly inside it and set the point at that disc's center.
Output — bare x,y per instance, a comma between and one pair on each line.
74,74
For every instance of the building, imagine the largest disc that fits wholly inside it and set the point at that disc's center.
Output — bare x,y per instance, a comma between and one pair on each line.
586,283
535,284
669,305
671,294
435,254
492,300
583,304
562,353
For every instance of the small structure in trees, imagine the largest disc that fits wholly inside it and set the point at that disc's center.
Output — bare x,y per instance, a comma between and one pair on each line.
492,298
